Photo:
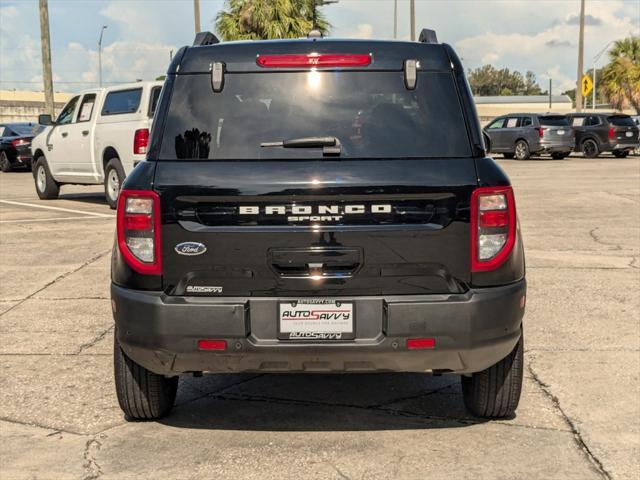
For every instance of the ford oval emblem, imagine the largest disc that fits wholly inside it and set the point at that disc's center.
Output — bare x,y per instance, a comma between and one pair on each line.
190,248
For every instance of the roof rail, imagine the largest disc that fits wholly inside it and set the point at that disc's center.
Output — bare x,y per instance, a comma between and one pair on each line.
205,38
428,36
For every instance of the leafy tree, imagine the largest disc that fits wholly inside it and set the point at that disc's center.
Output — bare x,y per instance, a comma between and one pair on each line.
489,80
268,19
620,82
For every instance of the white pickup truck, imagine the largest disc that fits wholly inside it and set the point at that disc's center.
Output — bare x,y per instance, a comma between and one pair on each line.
98,137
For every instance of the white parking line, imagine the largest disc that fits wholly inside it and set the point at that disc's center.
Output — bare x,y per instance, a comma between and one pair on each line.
59,209
55,219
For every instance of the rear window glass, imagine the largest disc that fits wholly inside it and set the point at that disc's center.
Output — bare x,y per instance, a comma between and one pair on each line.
554,121
620,121
122,101
373,115
153,101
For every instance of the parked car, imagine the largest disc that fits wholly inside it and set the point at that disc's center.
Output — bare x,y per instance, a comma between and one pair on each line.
636,120
317,205
15,144
604,132
98,137
521,135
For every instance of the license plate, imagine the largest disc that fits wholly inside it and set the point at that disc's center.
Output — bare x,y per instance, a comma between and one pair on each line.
312,319
629,134
560,132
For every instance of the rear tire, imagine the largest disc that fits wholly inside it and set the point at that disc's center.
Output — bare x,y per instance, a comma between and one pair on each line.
46,187
522,150
113,177
495,392
621,153
5,164
508,155
590,148
142,394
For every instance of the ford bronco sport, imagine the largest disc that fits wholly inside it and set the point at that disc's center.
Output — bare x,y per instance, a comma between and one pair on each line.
317,205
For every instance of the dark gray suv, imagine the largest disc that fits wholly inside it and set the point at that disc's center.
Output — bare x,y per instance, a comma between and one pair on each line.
520,135
604,132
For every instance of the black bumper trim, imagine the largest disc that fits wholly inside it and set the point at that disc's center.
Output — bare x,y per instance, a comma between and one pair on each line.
473,331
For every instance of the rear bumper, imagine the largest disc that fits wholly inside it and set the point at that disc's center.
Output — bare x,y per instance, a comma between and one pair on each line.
564,147
625,146
472,331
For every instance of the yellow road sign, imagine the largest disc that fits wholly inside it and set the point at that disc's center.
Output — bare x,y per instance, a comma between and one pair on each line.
587,85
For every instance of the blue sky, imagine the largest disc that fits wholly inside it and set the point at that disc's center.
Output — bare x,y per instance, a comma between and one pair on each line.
538,35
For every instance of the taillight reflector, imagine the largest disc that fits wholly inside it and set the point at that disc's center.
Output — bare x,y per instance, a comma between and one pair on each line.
138,230
140,141
493,227
540,132
19,141
612,133
314,60
207,344
421,343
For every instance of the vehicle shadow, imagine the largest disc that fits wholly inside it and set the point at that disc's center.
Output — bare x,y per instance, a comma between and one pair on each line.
95,198
319,402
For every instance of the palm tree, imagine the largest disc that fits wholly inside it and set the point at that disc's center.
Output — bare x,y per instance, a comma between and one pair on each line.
621,77
268,19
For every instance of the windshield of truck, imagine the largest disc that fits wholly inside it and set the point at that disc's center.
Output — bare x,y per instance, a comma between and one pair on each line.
371,114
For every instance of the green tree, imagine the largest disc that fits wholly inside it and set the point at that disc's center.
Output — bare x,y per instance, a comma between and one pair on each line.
268,19
620,82
489,80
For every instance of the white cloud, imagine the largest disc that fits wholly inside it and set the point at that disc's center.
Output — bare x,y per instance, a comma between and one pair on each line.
550,52
364,30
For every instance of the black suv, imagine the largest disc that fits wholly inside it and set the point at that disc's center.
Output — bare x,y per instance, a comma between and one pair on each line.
604,132
317,205
520,135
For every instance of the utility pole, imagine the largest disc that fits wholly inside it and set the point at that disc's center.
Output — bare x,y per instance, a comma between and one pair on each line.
100,56
196,15
45,43
580,60
395,18
550,98
412,13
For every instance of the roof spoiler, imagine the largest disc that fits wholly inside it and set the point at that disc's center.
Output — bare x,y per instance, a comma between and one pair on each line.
205,38
428,36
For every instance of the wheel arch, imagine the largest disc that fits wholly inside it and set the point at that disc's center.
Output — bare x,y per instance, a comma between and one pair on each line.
108,154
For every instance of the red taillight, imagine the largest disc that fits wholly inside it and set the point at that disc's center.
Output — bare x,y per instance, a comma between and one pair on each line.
314,60
421,343
612,133
140,141
138,229
207,344
493,227
540,132
19,141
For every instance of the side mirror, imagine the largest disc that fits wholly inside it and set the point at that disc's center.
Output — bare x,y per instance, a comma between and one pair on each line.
45,120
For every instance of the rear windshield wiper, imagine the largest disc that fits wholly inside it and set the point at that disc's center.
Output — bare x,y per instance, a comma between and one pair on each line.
330,145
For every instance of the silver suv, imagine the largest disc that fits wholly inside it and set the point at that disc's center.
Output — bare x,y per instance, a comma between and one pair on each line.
521,135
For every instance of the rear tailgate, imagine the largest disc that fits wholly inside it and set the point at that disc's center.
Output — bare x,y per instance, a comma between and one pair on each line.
624,131
316,228
556,130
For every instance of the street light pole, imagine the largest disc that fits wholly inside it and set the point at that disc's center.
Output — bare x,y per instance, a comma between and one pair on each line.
595,60
395,18
580,60
412,13
100,55
45,44
196,15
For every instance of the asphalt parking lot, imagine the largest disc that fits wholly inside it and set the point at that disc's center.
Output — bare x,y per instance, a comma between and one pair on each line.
579,416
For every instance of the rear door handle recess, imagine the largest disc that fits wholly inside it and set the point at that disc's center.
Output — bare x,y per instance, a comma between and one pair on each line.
85,132
64,134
